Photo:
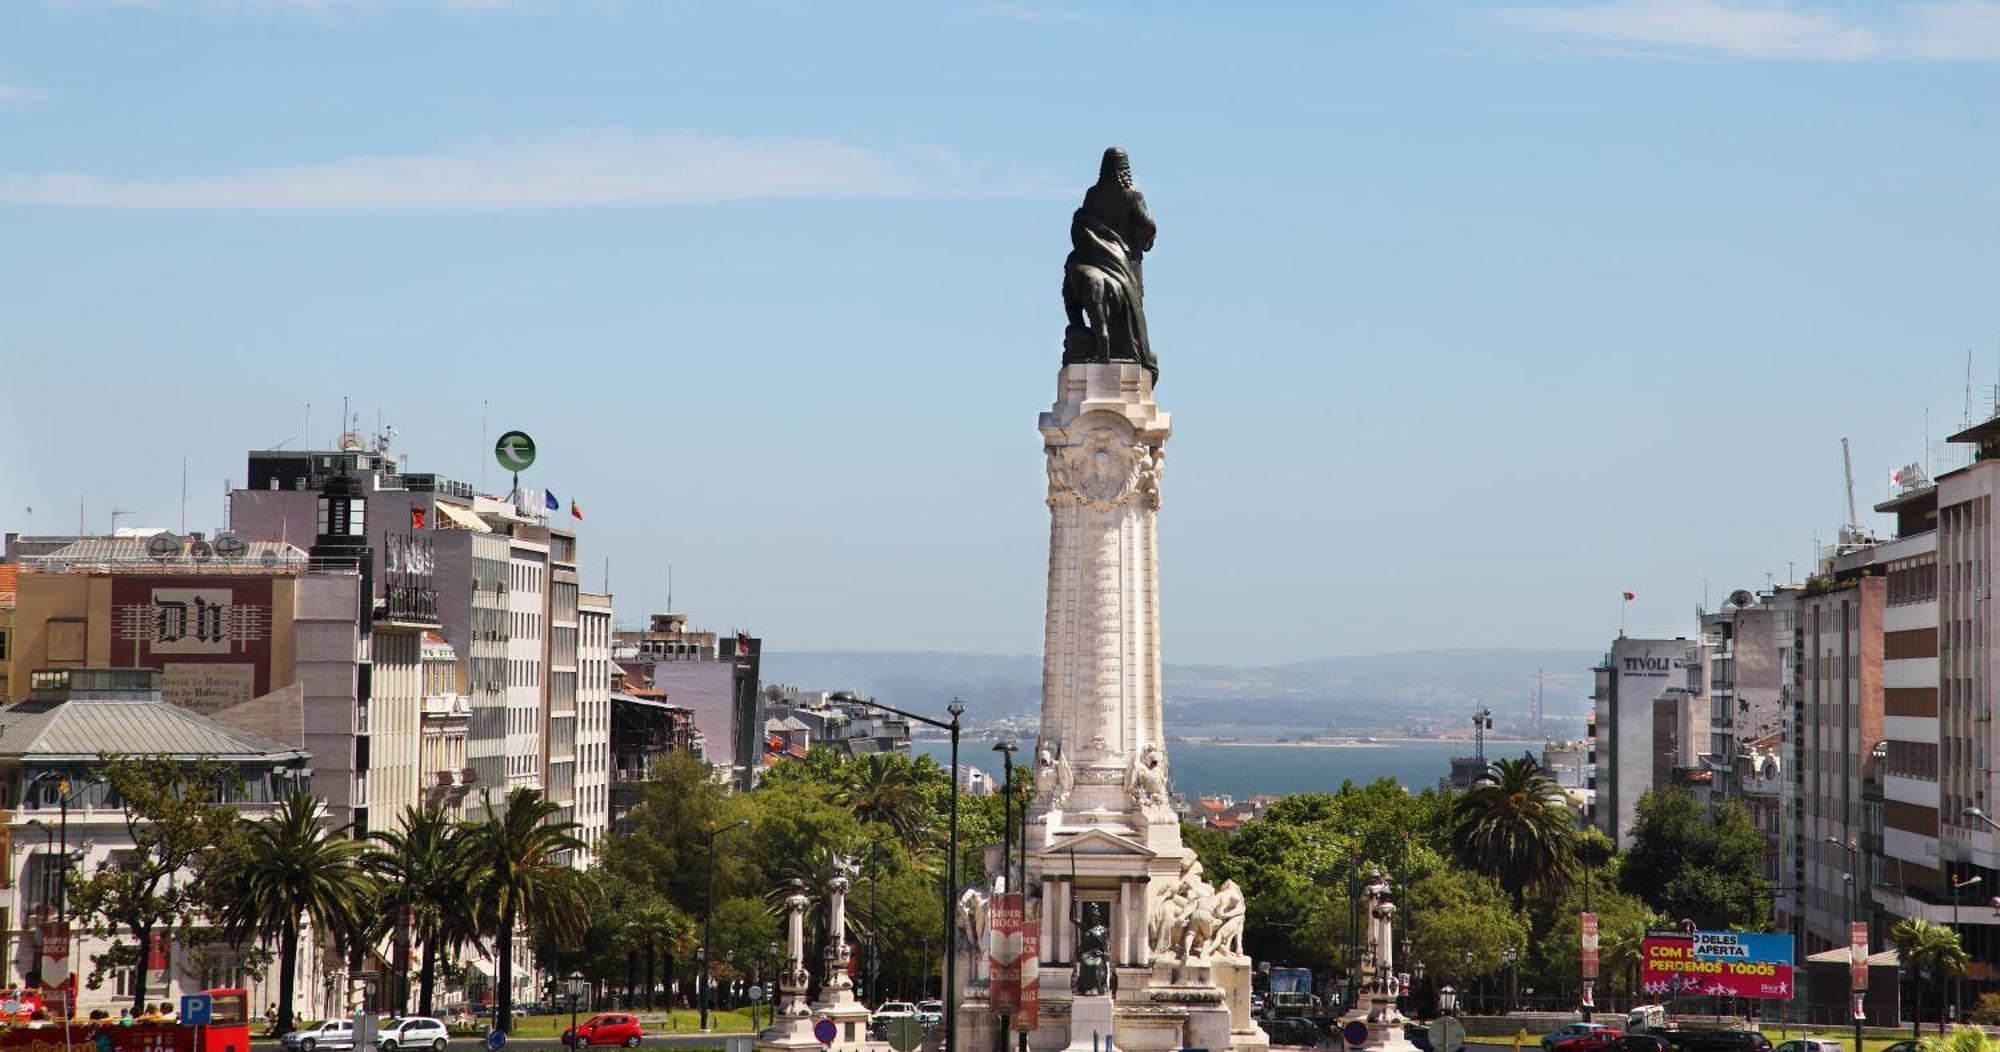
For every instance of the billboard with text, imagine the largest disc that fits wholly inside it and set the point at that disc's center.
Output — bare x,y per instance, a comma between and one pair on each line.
1716,964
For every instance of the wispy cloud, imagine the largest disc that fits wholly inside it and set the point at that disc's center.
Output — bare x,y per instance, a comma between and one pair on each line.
580,171
1775,30
12,94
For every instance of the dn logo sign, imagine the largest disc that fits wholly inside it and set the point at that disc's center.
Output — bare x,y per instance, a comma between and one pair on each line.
190,621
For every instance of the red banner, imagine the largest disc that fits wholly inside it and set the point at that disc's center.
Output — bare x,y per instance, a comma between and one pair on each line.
55,940
156,960
1857,956
1670,968
1588,950
1029,1015
1003,990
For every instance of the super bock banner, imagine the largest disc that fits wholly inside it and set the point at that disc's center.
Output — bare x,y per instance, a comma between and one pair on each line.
1003,992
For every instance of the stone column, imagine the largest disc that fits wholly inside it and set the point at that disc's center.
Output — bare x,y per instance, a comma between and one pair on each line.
1104,441
1051,919
1125,922
1065,931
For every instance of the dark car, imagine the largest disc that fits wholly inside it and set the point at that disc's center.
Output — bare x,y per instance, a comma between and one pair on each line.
1293,1030
1418,1034
1642,1043
1904,1046
1732,1040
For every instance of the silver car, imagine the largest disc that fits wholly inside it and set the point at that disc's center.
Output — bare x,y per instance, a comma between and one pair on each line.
328,1036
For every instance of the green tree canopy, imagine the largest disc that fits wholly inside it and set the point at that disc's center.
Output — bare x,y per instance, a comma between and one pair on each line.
1516,826
1696,863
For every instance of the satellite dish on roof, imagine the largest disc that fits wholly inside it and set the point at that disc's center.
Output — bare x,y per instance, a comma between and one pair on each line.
163,546
1742,597
268,560
200,550
230,546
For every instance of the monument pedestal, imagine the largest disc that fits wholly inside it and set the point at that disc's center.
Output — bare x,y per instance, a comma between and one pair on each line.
1384,1023
1093,1024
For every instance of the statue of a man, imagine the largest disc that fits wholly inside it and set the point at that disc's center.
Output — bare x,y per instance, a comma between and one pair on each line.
1103,287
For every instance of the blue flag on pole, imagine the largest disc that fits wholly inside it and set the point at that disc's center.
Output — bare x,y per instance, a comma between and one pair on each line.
549,500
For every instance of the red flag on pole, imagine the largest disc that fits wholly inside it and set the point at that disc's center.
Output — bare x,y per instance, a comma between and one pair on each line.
574,511
1629,597
416,518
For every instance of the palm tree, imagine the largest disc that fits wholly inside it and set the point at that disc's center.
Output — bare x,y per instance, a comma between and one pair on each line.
420,868
880,787
517,873
1516,826
1929,948
292,871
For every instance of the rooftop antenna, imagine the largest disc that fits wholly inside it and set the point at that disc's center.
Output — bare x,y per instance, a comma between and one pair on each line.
1541,728
1967,422
670,588
482,445
115,513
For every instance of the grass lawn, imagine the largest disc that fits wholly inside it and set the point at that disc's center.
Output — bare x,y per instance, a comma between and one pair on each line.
1775,1033
679,1021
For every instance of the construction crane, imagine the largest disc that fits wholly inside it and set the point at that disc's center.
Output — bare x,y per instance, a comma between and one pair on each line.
1851,534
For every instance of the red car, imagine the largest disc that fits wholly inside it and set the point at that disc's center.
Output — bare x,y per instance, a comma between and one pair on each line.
609,1028
1591,1042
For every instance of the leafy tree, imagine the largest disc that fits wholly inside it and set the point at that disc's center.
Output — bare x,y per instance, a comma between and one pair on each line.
1461,924
1622,921
291,870
177,825
1516,826
625,926
1932,950
419,869
667,847
517,875
883,787
1699,864
1962,1039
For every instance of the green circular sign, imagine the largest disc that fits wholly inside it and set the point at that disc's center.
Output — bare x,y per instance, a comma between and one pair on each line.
515,451
905,1034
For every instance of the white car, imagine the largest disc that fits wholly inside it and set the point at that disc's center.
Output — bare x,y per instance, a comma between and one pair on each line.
893,1010
332,1034
412,1032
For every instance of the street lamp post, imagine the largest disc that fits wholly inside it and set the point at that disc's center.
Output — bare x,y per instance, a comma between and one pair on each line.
951,866
1958,988
1509,955
575,995
1006,751
708,923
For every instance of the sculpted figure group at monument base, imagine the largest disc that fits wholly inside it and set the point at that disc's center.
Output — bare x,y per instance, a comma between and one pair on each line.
1188,920
1054,778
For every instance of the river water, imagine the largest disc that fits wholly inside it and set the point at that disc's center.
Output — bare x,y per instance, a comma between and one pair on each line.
1240,770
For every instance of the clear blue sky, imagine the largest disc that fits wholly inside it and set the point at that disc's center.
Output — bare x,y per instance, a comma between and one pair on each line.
1471,315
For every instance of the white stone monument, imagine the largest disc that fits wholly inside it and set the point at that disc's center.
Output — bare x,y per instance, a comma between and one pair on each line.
836,989
791,1028
1380,983
1105,855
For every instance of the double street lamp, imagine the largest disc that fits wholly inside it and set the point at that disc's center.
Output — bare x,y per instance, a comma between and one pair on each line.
951,865
708,923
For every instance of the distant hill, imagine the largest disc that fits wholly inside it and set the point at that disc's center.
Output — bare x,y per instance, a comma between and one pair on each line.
1371,691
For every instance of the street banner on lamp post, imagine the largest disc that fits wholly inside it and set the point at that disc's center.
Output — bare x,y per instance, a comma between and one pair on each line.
1003,991
1857,956
1589,946
156,960
1030,1013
